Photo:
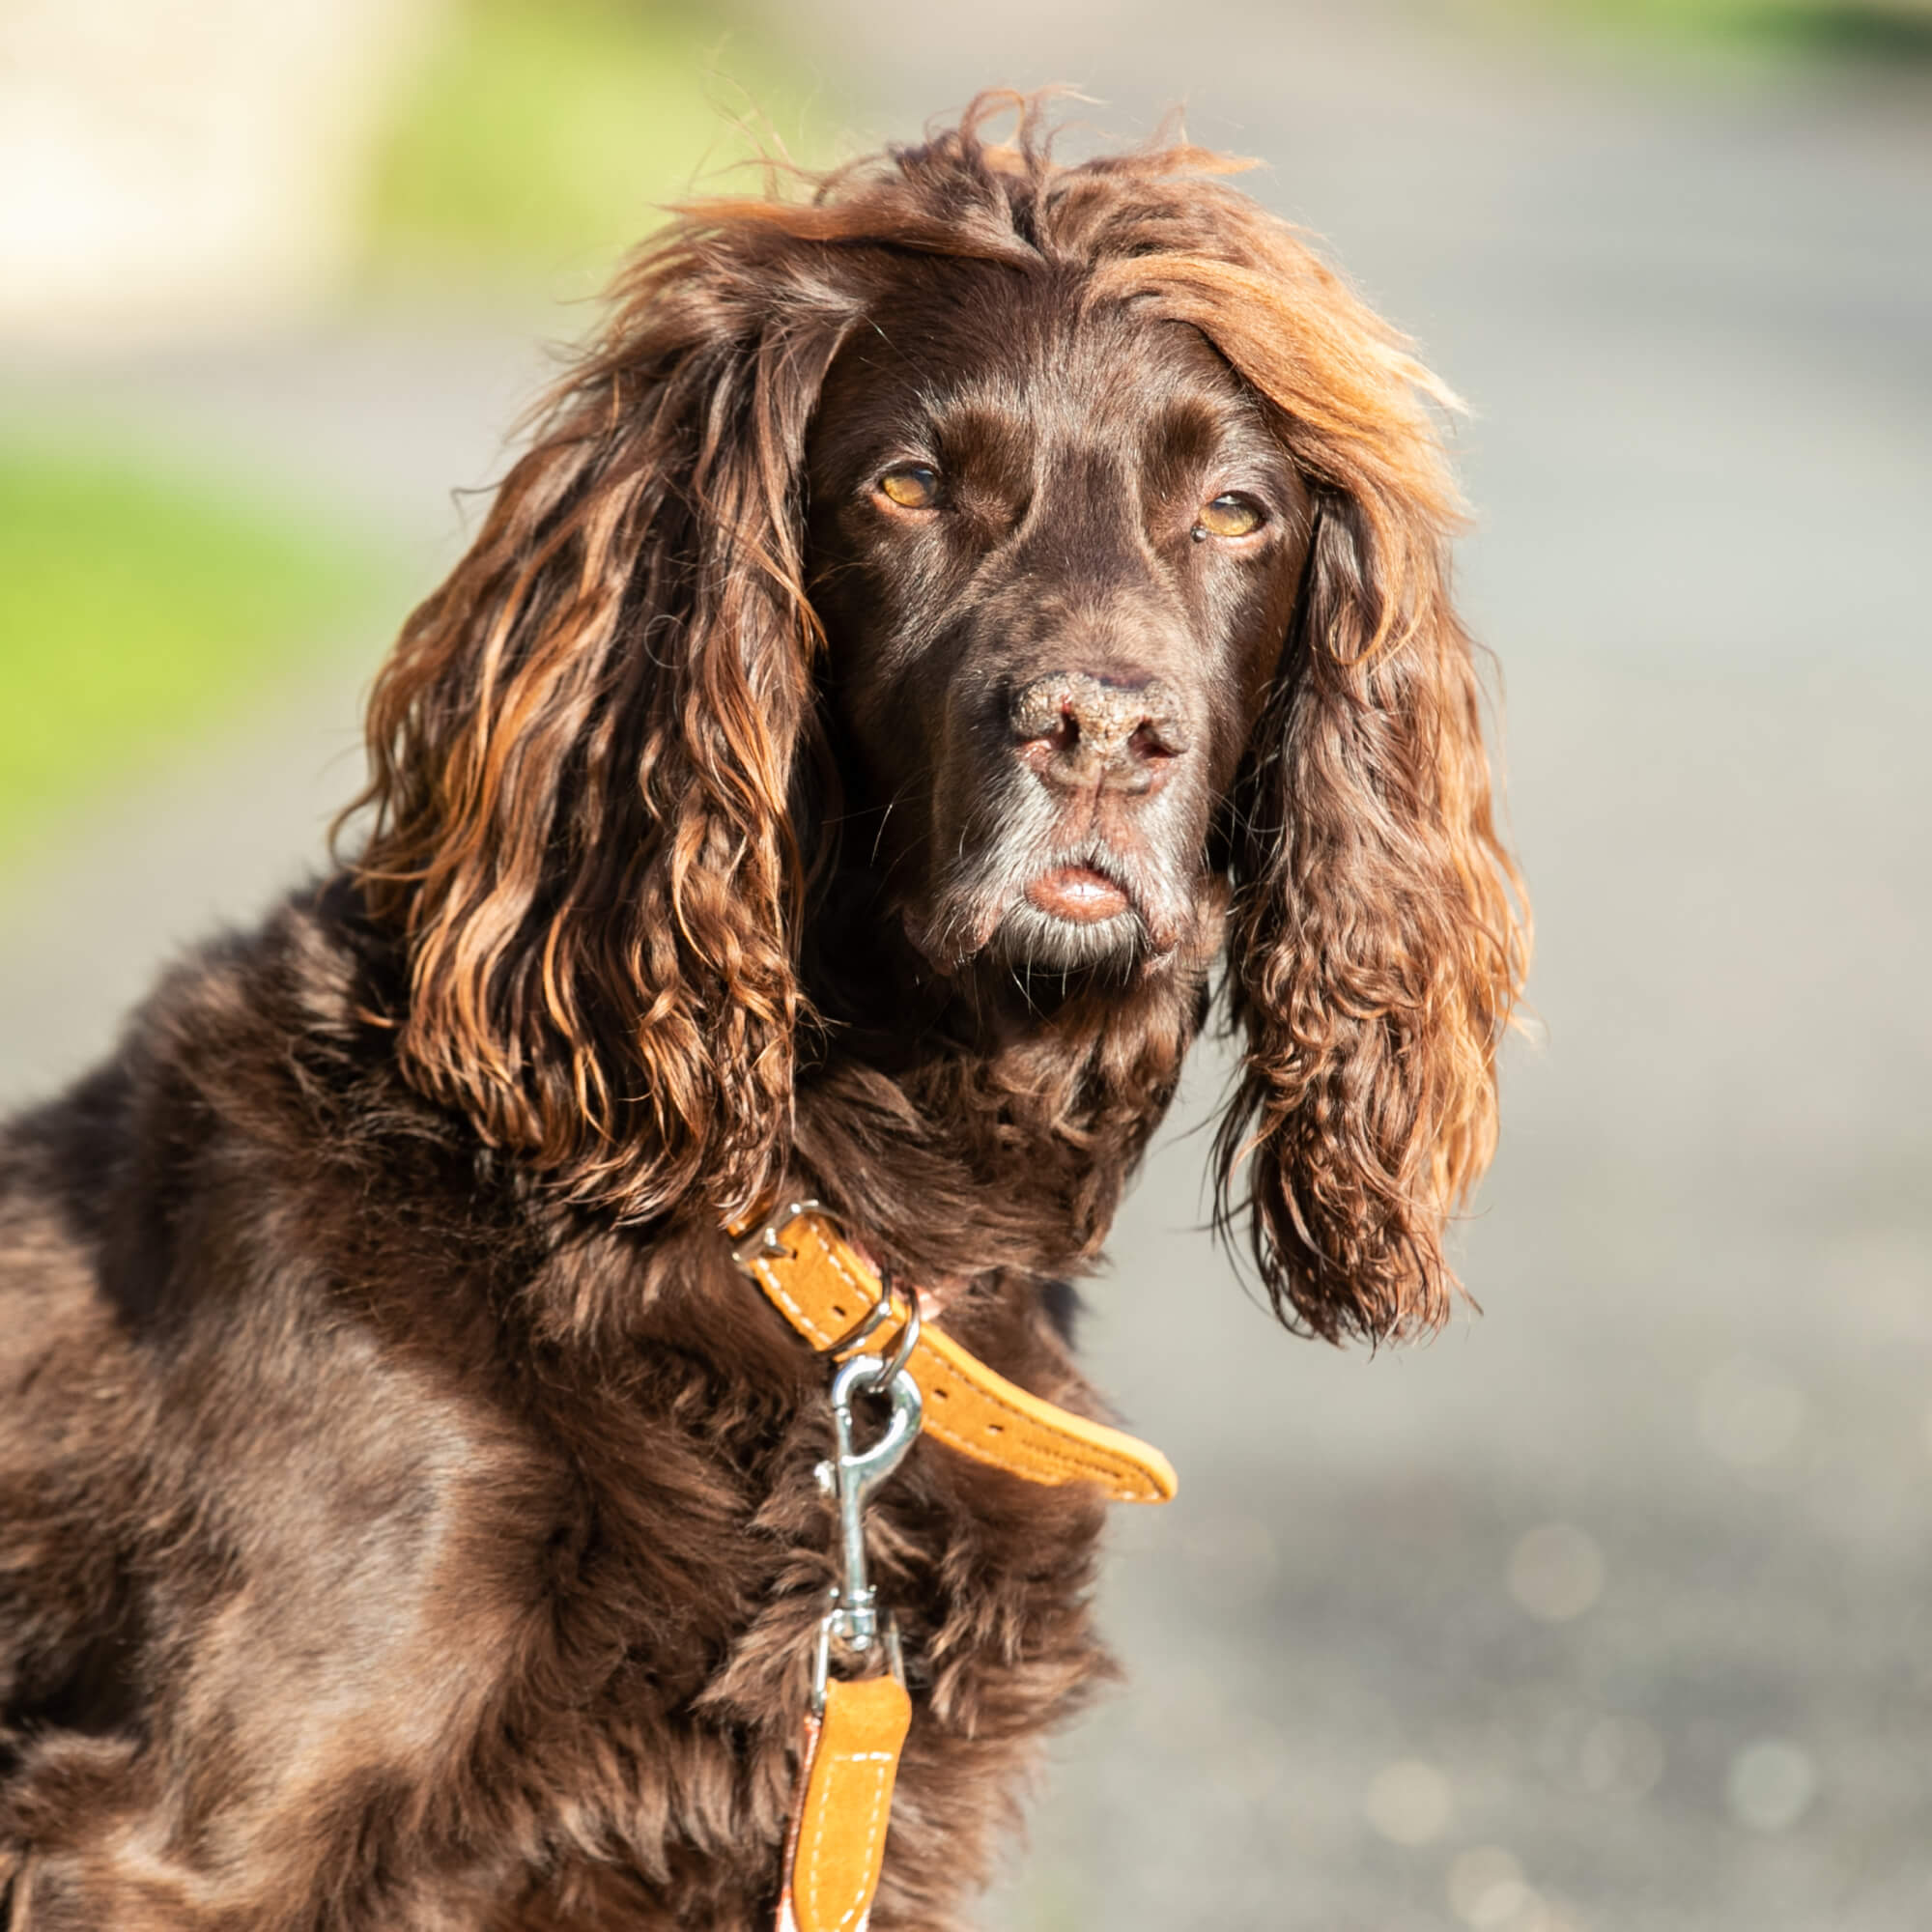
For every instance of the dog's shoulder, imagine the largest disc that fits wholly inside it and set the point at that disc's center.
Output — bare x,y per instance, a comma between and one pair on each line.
256,1083
251,1312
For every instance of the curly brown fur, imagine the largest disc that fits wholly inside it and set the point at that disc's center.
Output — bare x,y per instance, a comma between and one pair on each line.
407,1516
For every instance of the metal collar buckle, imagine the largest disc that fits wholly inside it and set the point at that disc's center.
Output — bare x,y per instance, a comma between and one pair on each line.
762,1242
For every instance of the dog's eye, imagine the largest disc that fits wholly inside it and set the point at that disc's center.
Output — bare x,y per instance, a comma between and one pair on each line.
912,486
1230,516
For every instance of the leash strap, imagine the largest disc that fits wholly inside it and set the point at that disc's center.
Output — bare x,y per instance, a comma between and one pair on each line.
834,1299
836,1842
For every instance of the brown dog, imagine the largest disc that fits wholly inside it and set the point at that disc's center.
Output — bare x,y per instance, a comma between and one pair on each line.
937,622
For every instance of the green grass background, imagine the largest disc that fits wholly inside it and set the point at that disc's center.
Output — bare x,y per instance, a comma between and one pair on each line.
547,133
135,604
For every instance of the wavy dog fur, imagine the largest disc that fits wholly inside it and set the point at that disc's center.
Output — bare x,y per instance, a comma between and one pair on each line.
406,1513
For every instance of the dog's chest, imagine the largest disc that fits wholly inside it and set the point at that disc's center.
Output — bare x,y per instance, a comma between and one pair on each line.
672,1585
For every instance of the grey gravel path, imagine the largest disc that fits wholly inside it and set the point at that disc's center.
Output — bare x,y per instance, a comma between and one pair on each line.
1606,1610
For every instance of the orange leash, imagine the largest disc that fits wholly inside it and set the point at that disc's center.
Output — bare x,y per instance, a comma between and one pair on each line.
837,1837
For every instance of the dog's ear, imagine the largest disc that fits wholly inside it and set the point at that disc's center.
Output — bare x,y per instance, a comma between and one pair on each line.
1376,945
582,746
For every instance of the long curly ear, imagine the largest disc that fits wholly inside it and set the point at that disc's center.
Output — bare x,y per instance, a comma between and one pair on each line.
1377,938
582,749
1376,943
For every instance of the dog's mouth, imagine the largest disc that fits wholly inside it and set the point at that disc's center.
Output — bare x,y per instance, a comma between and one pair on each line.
1081,910
1093,906
1081,894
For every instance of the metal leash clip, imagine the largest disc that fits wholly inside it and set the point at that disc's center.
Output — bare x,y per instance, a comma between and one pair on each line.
849,1478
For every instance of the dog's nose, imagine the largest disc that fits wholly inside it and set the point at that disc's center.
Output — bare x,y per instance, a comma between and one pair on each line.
1082,731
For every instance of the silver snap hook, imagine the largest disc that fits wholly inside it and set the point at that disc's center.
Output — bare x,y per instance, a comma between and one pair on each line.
851,1476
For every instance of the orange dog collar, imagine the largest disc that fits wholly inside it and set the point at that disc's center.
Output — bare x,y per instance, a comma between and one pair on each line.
833,1297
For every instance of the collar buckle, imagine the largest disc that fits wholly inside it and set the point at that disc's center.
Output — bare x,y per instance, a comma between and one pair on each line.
762,1243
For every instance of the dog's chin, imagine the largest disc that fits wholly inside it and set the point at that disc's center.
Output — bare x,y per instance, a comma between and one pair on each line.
1031,940
1091,917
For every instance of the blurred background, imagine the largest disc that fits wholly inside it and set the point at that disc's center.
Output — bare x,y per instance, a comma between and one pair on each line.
1605,1610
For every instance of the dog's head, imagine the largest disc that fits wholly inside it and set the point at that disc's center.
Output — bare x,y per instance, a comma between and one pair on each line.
1091,535
1055,541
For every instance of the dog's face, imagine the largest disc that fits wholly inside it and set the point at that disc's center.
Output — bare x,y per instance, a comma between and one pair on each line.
1056,549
